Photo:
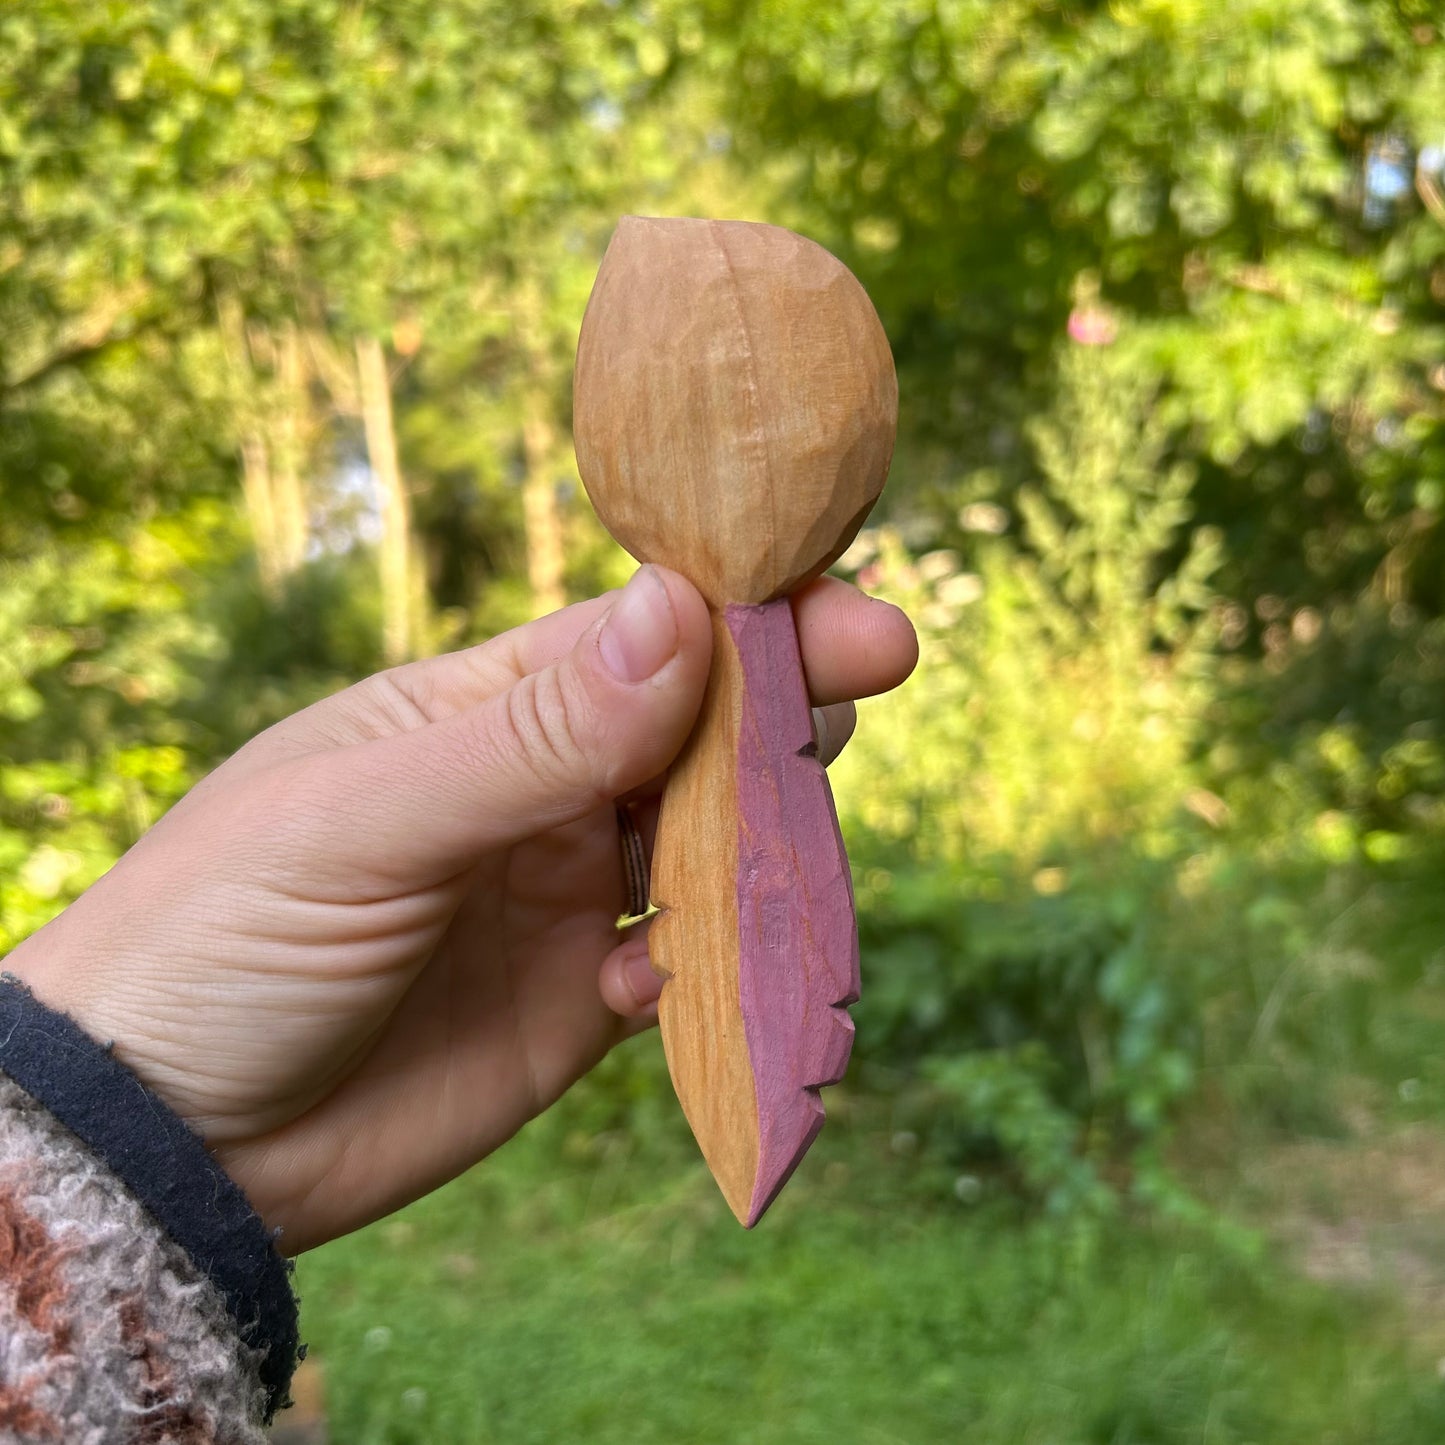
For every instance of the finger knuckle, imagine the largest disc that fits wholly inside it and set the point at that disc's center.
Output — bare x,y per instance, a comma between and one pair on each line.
547,717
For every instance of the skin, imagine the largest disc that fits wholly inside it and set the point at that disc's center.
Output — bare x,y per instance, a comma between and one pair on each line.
362,953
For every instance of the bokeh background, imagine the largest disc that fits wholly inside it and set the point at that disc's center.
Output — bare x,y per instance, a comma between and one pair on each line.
1142,1142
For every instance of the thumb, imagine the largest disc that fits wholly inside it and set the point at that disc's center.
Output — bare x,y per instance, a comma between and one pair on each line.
424,805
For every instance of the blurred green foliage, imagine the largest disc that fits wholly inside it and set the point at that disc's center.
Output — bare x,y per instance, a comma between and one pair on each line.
1230,193
589,1280
1164,280
1025,825
627,1306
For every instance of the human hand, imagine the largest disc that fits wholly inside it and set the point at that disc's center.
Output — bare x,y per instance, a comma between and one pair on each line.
369,947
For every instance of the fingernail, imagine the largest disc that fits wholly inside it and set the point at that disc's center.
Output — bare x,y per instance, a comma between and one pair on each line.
640,633
645,985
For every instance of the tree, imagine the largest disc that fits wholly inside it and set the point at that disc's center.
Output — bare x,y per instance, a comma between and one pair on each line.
266,241
266,185
1232,194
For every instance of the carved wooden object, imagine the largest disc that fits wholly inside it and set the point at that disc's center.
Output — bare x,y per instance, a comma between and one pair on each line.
734,412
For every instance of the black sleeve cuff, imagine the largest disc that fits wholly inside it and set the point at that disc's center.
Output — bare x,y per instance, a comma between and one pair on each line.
165,1166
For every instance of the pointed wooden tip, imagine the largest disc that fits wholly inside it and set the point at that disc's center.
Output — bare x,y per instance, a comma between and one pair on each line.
763,953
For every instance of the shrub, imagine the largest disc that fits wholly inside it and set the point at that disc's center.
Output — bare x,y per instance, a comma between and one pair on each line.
1019,824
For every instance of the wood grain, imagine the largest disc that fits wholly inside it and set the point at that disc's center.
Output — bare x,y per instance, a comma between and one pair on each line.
734,411
762,959
734,405
693,942
797,934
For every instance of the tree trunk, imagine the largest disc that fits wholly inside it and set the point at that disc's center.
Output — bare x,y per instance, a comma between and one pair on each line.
397,633
256,480
261,511
541,516
288,488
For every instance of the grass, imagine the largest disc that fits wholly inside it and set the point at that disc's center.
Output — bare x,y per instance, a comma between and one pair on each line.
505,1310
587,1284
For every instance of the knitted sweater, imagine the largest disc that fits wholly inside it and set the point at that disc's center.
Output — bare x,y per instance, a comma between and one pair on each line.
141,1300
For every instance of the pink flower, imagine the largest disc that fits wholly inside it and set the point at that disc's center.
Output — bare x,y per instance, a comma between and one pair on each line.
1092,326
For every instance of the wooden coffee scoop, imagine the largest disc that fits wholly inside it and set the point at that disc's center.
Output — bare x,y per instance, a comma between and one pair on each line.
734,412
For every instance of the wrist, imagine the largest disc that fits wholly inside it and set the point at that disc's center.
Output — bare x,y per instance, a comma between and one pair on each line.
38,963
70,970
160,1162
